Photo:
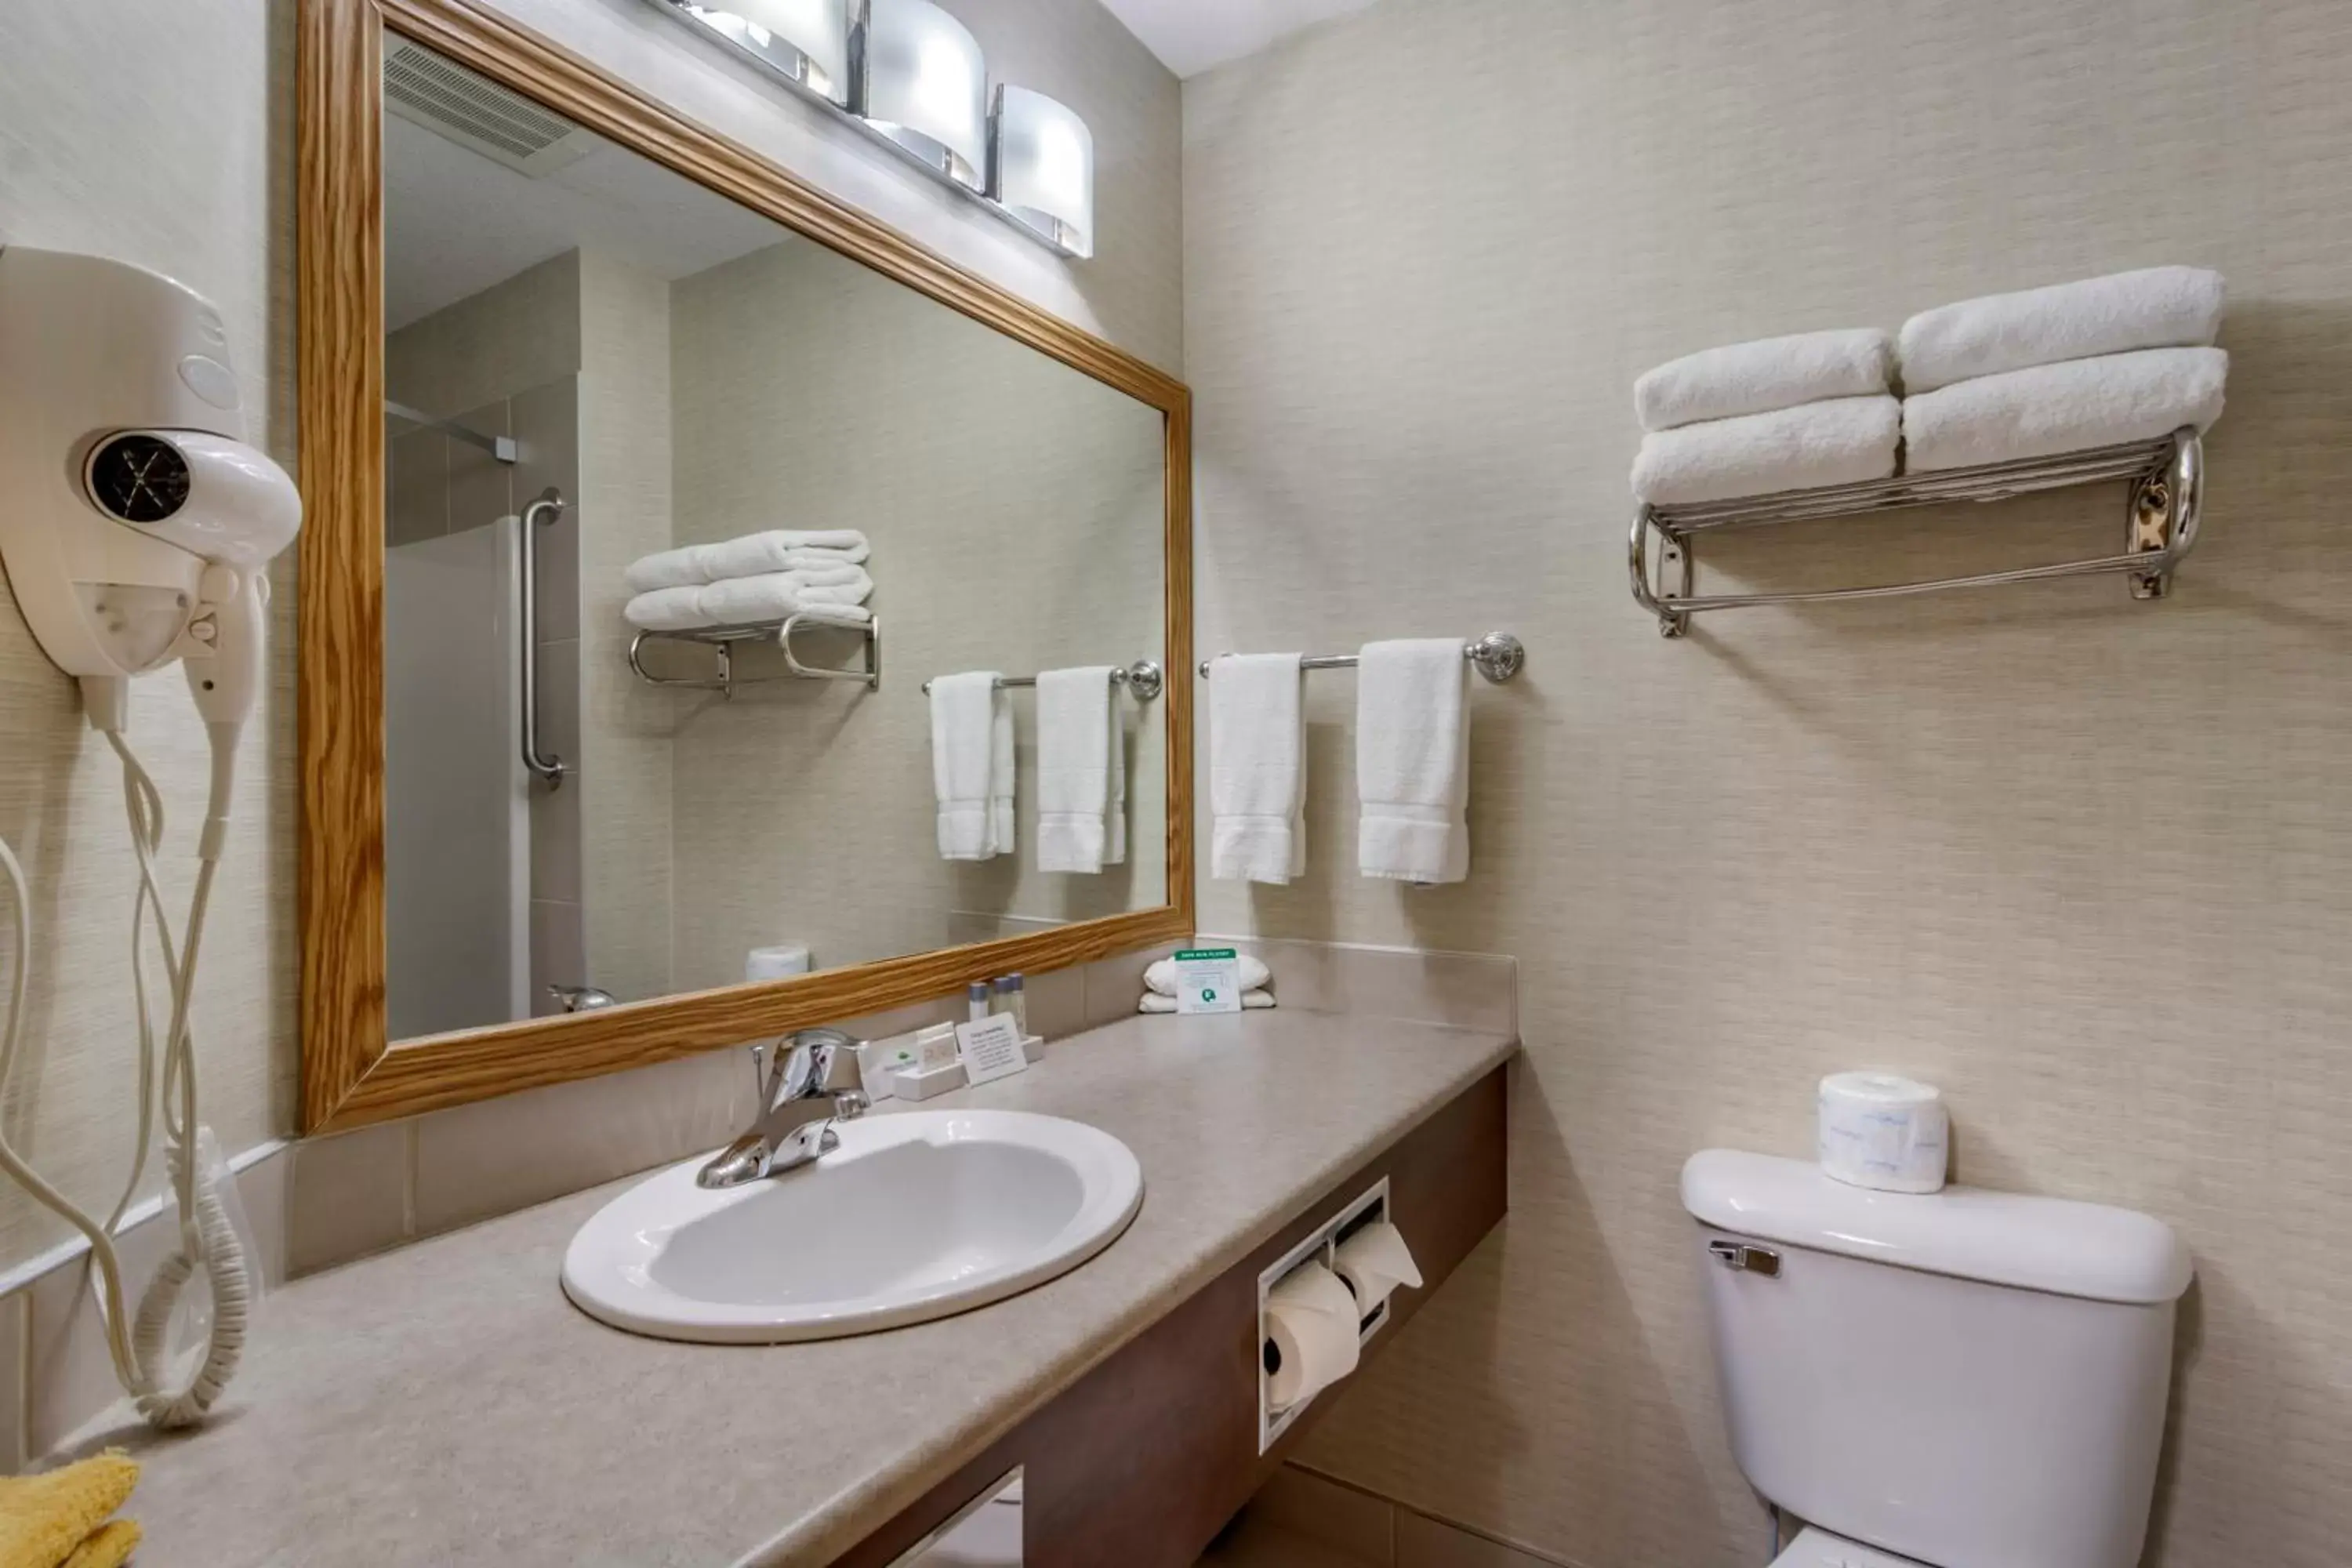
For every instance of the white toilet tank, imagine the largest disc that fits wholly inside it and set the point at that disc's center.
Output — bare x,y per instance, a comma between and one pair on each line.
1971,1379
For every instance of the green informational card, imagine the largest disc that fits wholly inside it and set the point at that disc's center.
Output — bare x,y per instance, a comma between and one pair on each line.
1208,980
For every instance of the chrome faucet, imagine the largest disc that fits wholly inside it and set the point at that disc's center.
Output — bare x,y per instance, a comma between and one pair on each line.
807,1088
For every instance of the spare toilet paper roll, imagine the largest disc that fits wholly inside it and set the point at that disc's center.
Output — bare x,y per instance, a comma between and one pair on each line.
1372,1263
1310,1320
1883,1132
776,962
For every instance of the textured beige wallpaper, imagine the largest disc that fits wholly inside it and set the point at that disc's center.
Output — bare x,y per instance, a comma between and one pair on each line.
2087,864
1015,511
159,132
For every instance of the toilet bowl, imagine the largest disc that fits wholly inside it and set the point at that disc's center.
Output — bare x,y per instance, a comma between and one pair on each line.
1820,1549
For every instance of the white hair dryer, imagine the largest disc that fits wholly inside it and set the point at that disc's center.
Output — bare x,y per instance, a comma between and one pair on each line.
136,524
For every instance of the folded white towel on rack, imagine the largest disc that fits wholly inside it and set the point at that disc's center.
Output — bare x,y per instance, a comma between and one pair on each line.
971,755
1413,760
1841,442
739,601
1252,1002
776,550
1254,975
2065,407
1081,770
667,610
1759,377
2154,308
1257,769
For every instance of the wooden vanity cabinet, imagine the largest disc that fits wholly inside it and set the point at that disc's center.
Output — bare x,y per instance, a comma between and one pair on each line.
1144,1458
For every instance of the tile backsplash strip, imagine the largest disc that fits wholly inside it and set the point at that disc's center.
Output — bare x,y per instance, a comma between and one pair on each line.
316,1204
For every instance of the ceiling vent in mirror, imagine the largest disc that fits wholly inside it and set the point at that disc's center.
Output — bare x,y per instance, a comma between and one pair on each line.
478,114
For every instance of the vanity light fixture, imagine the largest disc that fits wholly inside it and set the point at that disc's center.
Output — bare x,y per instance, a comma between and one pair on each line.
918,78
805,42
908,75
1040,168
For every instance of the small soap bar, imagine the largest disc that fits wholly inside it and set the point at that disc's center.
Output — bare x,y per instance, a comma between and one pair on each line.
935,1047
879,1060
919,1083
1033,1047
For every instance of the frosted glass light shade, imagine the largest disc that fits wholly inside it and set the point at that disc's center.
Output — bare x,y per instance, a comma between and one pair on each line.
924,84
805,41
1042,169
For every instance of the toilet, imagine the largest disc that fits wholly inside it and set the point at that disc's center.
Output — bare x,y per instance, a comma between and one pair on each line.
1967,1379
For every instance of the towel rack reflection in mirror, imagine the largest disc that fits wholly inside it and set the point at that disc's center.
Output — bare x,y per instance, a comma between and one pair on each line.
724,640
1498,656
2160,515
1142,678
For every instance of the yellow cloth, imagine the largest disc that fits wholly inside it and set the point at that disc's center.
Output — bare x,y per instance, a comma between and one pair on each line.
60,1520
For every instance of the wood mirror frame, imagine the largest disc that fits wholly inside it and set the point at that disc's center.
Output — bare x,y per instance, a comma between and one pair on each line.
352,1074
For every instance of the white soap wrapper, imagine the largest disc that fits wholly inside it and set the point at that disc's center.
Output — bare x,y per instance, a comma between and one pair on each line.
1885,1132
1372,1263
1311,1317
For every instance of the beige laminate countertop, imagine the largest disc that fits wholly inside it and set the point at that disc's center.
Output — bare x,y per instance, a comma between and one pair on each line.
445,1403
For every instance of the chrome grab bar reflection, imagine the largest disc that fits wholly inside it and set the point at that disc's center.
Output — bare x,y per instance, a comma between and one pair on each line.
537,515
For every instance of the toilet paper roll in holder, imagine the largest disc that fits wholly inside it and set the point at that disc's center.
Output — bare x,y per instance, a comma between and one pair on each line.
1321,1246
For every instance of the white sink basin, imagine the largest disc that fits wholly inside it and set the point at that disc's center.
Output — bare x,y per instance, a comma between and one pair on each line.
917,1216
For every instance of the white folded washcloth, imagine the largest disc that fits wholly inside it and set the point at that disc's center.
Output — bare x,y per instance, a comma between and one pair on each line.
1080,757
2154,308
667,610
971,724
1759,377
777,550
1413,760
1252,1002
1841,442
739,601
2065,407
1257,769
1254,975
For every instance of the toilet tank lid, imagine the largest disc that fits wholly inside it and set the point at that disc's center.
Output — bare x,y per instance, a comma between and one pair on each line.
2004,1238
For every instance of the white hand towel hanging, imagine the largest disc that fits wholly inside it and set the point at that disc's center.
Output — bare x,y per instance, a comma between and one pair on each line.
1413,760
1258,768
2066,408
965,741
2154,308
1077,744
1759,377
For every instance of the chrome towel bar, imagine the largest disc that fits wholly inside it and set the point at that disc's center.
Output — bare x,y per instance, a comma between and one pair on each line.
535,516
1142,678
1499,657
2165,501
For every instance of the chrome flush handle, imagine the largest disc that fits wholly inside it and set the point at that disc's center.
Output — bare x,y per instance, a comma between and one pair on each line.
1746,1257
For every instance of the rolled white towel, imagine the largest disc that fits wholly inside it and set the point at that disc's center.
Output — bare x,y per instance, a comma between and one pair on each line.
2153,308
1252,1002
740,601
667,610
1841,442
1253,974
1759,377
2066,408
780,550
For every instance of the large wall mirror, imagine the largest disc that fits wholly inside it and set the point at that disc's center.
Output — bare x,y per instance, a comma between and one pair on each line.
649,494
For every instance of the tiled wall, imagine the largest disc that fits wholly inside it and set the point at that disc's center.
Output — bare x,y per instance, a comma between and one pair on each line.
1303,1519
328,1201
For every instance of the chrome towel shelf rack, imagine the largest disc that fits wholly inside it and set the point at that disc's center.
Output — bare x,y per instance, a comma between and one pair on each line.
1498,656
1143,678
2166,477
724,640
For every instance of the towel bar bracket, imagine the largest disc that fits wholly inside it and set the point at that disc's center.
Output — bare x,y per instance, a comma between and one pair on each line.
2163,507
722,641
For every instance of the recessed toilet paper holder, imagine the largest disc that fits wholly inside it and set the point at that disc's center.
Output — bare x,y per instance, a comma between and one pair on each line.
1320,1246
